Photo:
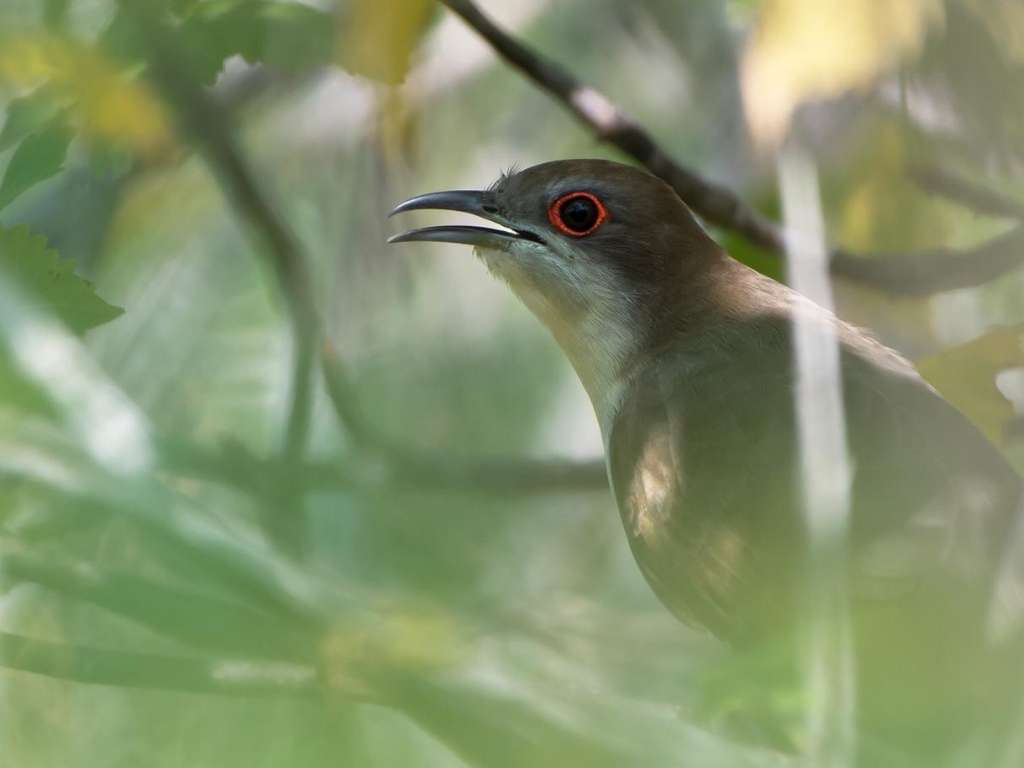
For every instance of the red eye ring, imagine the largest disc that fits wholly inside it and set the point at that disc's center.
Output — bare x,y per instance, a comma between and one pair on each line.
555,214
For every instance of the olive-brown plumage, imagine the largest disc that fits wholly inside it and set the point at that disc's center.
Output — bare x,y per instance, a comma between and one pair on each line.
687,357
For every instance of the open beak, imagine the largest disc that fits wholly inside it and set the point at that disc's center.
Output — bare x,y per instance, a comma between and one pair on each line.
466,201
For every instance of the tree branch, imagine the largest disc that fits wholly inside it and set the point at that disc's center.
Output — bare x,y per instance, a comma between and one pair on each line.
715,203
378,466
979,198
413,469
944,269
904,274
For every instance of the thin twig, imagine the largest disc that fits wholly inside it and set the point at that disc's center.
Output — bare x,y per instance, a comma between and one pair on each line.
716,203
970,194
379,466
903,274
406,468
944,269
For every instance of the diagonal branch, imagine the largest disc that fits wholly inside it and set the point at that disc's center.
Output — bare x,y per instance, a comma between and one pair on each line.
979,198
900,274
922,273
714,202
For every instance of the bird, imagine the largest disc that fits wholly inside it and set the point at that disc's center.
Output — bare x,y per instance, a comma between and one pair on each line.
687,356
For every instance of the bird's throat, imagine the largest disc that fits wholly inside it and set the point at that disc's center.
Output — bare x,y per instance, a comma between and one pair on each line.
607,325
599,338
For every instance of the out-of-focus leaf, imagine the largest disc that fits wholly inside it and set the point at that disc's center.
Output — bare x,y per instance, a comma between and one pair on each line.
381,36
288,36
875,203
806,49
107,103
38,157
966,376
28,114
53,280
120,40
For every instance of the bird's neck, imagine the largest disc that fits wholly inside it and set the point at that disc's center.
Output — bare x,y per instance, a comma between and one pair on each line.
611,341
600,346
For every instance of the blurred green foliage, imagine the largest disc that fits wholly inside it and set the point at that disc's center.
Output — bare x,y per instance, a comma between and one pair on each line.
428,619
45,275
287,36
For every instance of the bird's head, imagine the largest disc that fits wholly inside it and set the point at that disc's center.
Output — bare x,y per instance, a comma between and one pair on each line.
603,253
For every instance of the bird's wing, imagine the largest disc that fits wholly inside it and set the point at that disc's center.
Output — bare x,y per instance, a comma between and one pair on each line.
704,460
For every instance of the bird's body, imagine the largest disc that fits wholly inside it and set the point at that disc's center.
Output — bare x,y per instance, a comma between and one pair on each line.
688,358
703,455
704,459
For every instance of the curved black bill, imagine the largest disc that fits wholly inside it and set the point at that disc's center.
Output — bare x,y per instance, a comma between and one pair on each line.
478,203
482,236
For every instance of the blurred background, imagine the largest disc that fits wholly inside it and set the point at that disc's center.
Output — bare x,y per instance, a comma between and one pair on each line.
274,493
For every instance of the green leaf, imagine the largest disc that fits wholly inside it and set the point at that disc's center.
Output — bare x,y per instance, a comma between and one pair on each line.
106,101
27,114
52,280
39,157
289,36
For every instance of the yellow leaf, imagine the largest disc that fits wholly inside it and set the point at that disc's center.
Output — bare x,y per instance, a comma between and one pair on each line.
807,49
108,104
966,376
382,35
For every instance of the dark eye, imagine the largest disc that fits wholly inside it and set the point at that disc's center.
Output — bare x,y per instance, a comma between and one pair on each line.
577,214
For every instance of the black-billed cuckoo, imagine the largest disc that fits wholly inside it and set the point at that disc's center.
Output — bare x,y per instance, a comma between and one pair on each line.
687,356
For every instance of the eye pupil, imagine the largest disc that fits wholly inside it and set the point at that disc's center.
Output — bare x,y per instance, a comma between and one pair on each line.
579,213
